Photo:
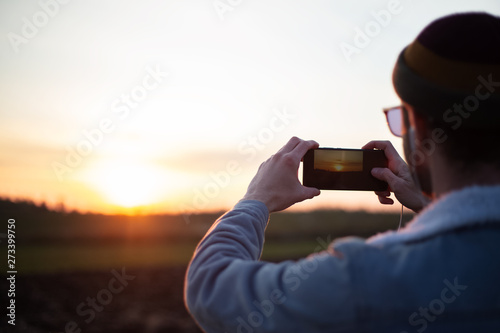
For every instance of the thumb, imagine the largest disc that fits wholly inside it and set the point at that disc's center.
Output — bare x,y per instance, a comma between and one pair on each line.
310,192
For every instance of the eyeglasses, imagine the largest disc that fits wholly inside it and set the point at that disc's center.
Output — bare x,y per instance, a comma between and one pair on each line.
394,116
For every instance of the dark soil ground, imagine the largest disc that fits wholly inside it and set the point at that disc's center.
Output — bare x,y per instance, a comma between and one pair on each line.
151,302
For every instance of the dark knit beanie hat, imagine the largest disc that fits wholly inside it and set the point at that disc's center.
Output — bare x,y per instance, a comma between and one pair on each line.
452,70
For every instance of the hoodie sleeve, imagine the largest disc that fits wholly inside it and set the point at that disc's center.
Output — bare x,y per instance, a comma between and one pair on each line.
227,288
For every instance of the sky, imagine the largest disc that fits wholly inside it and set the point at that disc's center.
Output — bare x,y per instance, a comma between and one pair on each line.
170,106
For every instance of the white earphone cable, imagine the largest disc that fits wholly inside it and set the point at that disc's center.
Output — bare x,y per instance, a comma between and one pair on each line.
400,217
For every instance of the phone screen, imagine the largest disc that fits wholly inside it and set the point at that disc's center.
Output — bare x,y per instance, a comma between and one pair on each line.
343,169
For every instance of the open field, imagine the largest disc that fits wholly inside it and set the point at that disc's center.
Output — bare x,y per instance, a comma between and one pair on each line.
47,258
64,259
53,302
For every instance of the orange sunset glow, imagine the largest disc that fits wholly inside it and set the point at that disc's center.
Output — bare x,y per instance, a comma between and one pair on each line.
338,161
171,106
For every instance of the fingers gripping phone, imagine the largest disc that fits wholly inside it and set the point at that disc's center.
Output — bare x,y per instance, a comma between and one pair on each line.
343,169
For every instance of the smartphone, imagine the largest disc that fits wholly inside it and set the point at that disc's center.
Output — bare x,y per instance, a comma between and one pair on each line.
343,169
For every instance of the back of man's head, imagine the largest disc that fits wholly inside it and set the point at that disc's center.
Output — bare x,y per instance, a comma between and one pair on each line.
450,75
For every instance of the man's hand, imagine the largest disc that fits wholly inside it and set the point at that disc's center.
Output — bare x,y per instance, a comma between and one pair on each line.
399,178
276,183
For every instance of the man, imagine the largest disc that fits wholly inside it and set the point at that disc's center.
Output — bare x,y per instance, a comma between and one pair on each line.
441,273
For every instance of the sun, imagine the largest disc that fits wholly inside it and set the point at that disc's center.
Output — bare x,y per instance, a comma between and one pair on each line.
128,184
338,167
